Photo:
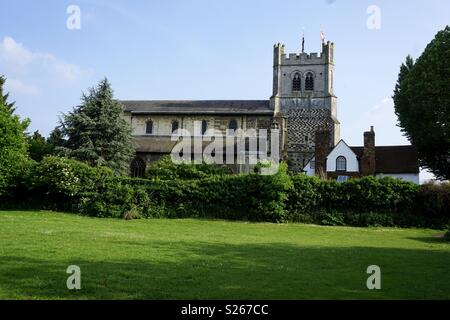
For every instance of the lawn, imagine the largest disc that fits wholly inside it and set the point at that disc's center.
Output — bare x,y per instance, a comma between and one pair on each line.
200,259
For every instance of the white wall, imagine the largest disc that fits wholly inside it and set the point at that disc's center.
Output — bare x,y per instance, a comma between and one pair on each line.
342,149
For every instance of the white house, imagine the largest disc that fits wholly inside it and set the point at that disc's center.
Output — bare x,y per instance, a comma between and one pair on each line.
344,161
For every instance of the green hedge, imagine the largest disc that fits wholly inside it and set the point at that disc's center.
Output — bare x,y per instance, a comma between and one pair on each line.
64,184
240,197
367,194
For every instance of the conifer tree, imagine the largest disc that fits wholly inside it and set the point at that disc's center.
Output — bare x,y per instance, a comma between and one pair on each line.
96,132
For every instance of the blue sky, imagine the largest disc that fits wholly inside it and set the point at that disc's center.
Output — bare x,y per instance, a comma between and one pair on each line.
207,49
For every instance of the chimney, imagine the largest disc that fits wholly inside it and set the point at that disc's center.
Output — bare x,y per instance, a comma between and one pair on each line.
368,164
322,147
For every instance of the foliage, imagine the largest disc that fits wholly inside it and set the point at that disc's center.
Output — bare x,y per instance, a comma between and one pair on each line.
166,169
433,200
13,147
248,197
422,104
38,147
96,132
367,194
4,97
62,183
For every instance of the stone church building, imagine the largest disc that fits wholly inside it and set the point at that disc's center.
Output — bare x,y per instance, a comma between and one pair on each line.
302,101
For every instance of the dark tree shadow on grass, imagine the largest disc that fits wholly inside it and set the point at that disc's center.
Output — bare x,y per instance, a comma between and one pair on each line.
225,271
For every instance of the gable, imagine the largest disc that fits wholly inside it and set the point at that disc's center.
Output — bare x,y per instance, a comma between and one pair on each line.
342,150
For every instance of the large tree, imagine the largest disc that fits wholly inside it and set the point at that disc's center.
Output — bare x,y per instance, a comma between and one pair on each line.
96,132
422,104
13,145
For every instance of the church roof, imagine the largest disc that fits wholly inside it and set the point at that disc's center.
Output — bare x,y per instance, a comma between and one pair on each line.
201,107
393,159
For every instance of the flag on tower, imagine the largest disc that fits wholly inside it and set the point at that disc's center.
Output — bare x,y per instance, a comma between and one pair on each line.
322,36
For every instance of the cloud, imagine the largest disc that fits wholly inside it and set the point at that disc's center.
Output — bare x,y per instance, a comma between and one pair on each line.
14,53
17,60
18,87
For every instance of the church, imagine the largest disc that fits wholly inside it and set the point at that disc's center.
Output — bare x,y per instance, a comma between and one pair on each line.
303,102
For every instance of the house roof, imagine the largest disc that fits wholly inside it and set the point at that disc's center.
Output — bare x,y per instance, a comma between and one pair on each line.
203,107
393,159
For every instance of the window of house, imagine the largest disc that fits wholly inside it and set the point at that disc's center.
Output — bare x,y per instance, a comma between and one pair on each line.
309,82
149,127
296,82
341,163
312,165
175,126
204,126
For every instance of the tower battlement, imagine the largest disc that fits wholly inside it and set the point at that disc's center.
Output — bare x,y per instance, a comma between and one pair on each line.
282,58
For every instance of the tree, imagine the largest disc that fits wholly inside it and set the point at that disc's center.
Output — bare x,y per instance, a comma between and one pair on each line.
13,146
422,104
38,147
56,138
96,132
4,97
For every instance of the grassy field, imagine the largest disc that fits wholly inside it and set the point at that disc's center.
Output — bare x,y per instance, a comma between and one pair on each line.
198,259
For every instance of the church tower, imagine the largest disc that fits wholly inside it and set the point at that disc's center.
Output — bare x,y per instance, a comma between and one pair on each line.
303,94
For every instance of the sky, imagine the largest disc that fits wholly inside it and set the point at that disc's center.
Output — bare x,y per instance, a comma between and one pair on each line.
209,49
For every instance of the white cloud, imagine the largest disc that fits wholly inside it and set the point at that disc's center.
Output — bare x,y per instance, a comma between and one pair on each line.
16,86
17,60
14,53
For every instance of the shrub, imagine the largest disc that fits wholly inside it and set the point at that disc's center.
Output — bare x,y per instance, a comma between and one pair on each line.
166,169
433,200
246,197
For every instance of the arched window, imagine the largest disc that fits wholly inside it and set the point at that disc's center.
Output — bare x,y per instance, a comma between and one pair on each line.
232,125
341,163
296,83
175,126
149,127
204,126
309,82
137,168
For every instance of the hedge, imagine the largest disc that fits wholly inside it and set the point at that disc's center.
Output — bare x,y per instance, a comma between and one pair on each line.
64,184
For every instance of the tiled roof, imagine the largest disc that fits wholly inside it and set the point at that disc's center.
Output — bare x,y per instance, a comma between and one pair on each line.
393,159
223,107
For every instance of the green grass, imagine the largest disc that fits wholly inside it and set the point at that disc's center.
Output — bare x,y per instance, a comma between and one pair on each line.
199,259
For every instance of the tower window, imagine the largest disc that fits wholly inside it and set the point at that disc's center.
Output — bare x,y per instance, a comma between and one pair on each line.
149,127
341,163
204,126
175,126
296,83
309,82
